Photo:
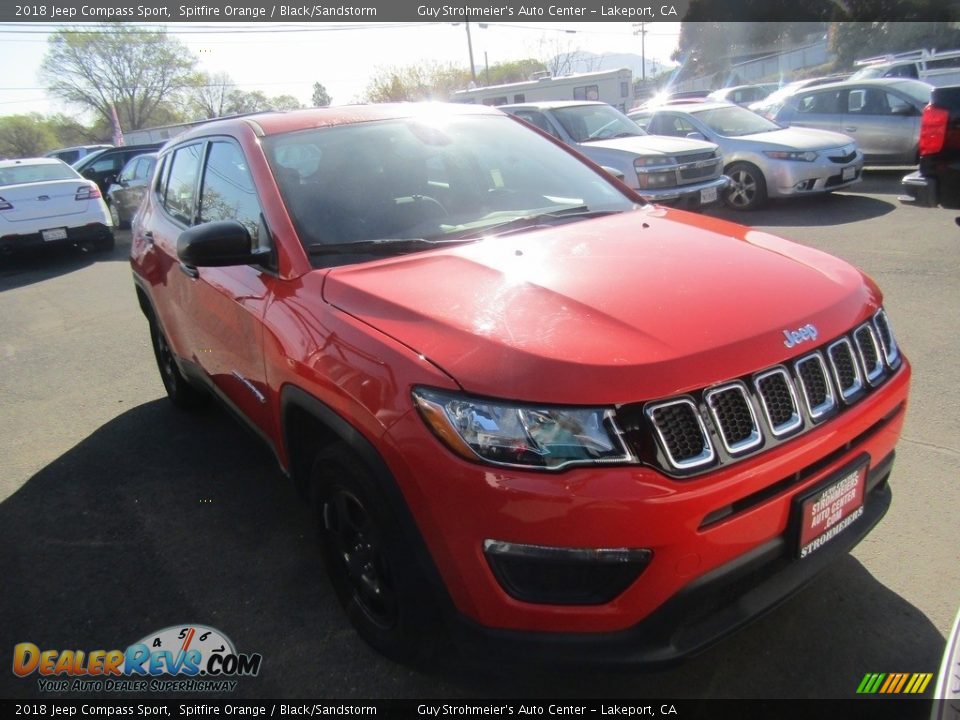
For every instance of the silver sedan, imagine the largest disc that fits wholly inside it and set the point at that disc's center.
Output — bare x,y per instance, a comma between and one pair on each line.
762,159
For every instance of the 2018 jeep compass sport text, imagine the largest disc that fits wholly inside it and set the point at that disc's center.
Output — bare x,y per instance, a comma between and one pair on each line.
529,409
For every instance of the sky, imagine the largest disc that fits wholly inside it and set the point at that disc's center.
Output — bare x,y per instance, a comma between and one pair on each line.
288,58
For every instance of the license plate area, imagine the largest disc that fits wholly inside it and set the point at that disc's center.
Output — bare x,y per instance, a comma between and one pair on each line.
849,173
54,234
708,195
831,507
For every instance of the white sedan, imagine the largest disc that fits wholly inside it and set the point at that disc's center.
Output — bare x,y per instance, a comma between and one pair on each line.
44,201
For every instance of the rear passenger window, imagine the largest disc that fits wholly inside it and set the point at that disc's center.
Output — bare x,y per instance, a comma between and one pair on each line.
227,192
181,186
825,103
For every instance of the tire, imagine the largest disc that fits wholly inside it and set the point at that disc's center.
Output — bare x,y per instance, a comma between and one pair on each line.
748,189
370,565
179,390
115,216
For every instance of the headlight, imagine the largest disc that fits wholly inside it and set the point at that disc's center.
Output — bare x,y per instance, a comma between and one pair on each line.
808,156
522,435
646,164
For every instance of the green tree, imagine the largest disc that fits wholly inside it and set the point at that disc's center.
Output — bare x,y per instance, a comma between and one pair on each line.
321,98
426,81
138,70
209,96
25,136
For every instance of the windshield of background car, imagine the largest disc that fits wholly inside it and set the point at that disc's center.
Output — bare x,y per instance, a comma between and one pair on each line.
428,177
595,122
46,172
734,121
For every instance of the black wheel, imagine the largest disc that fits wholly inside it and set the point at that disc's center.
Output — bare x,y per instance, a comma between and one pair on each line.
115,216
748,187
370,566
179,390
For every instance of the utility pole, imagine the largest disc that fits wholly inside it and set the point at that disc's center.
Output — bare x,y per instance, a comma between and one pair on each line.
639,28
473,68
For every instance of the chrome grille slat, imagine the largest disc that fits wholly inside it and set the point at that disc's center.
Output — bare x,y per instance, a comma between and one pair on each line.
682,433
869,351
733,415
888,344
778,399
815,385
846,371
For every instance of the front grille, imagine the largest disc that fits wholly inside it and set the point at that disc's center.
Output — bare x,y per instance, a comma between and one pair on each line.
779,401
887,342
843,159
696,157
725,422
866,341
846,373
691,172
815,386
734,418
682,433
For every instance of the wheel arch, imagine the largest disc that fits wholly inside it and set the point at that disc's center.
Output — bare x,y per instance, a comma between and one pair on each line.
308,424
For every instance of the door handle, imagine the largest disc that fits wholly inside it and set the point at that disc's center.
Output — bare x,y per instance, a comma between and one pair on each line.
850,128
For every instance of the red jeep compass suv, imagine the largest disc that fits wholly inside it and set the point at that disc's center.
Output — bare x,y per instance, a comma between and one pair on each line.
529,408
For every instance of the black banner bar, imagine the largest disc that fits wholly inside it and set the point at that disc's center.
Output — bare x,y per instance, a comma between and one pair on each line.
174,11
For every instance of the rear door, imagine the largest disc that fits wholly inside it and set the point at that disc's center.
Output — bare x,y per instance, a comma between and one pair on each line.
885,125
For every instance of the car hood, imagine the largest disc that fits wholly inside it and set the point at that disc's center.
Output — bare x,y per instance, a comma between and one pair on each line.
612,310
796,138
652,145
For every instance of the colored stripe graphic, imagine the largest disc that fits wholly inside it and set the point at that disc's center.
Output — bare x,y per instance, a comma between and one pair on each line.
894,683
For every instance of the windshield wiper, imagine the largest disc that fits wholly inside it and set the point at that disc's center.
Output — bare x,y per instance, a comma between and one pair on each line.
525,222
381,246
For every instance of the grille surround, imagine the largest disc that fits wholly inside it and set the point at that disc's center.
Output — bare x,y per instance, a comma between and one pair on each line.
722,424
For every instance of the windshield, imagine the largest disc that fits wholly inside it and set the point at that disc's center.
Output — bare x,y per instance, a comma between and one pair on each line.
734,121
45,172
429,177
585,123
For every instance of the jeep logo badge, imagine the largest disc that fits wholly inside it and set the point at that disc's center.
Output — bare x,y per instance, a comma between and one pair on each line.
802,334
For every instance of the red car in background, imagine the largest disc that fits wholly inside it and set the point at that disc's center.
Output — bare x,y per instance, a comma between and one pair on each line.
529,409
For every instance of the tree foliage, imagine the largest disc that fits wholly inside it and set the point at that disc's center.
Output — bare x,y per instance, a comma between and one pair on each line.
320,98
136,69
25,136
426,81
852,40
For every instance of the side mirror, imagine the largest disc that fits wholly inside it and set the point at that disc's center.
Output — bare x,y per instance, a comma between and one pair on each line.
613,171
696,135
89,174
218,244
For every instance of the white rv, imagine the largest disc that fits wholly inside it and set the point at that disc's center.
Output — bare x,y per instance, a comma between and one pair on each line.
614,87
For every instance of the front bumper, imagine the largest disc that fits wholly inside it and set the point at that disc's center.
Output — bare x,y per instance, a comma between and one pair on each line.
690,196
788,178
673,607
